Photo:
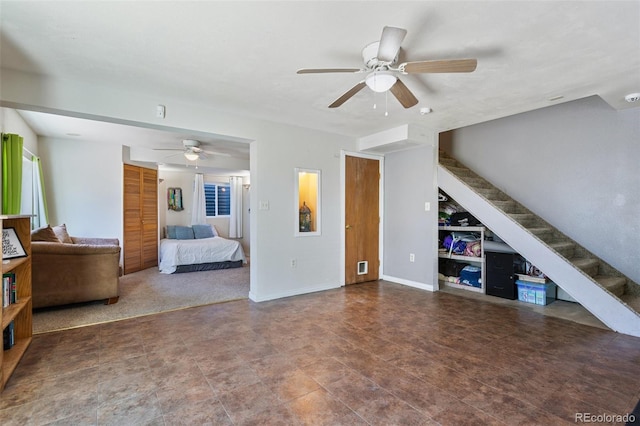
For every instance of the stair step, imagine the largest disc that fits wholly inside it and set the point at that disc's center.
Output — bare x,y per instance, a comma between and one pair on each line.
523,219
542,232
489,193
587,265
632,300
477,182
507,206
459,171
614,284
447,161
564,248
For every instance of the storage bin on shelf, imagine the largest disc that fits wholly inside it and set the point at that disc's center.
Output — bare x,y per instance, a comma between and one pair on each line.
536,293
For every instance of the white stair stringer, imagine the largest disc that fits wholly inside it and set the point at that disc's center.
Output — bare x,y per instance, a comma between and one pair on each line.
606,307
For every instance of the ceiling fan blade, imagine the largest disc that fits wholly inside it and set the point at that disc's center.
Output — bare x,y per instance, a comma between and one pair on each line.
218,154
403,94
390,43
327,70
168,149
344,98
445,65
173,155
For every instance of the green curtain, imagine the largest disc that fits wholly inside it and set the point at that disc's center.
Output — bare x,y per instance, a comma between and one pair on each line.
11,173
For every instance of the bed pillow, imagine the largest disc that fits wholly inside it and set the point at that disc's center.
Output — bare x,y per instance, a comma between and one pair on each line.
171,232
44,234
184,233
62,234
203,231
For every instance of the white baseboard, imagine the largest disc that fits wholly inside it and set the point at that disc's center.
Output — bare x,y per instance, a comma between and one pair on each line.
295,292
409,283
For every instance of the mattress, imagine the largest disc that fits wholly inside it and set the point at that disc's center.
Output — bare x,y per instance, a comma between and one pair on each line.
175,253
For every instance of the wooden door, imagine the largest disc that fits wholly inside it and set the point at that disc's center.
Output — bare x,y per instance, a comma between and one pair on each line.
140,243
362,219
149,206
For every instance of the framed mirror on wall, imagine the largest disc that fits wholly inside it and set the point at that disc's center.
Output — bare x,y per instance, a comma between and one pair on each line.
307,202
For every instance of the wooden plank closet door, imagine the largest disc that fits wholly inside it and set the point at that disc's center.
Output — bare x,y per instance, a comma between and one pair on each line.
140,243
132,235
149,218
362,218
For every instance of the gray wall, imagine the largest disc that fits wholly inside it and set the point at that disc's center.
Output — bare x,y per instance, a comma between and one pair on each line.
409,178
577,165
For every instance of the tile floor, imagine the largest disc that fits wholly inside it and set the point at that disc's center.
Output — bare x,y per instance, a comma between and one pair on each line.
375,353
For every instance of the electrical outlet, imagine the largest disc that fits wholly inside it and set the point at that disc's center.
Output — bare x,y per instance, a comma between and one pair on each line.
294,263
412,257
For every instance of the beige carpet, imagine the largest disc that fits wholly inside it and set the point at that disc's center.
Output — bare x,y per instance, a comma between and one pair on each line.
149,292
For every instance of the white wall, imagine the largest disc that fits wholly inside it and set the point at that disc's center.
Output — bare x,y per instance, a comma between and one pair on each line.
408,228
273,160
83,182
275,152
575,165
11,122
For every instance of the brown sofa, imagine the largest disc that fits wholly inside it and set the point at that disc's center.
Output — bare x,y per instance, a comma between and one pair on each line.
80,270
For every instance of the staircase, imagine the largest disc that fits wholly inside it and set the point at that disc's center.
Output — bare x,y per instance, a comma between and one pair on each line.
596,285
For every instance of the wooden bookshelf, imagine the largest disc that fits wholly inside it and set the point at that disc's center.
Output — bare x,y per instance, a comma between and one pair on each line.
20,312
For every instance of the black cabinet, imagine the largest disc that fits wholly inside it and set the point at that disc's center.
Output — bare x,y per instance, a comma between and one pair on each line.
500,275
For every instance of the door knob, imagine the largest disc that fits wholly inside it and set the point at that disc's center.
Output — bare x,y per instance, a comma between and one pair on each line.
348,227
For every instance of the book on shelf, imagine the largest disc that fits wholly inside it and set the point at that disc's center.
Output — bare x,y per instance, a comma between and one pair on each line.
9,336
9,294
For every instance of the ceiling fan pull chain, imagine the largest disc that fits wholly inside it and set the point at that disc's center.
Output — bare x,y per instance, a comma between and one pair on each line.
386,103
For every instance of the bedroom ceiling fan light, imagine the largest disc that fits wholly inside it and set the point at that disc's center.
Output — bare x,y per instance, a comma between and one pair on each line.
191,156
380,81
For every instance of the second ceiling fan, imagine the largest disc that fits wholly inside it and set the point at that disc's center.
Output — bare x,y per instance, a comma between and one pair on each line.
380,60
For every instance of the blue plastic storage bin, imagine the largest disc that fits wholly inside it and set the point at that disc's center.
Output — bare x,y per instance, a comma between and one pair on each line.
536,293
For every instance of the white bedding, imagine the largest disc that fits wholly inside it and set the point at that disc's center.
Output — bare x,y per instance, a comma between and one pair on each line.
174,253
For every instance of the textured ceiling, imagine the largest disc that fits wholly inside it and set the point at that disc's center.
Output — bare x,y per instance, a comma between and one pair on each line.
243,56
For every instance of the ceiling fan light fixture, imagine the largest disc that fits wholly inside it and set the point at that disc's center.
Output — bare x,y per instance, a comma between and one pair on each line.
191,156
380,81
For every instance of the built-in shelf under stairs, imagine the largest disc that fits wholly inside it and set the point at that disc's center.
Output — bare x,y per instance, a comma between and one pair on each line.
613,298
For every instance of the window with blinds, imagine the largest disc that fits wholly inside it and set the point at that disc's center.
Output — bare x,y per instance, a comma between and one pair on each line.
217,199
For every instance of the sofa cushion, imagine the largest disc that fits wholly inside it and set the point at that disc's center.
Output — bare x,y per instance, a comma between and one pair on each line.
44,234
62,234
184,233
203,231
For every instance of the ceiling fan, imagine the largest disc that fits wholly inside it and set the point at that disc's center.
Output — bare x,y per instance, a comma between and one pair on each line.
192,150
380,60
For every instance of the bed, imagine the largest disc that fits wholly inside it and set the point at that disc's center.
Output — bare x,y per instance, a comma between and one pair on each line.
199,254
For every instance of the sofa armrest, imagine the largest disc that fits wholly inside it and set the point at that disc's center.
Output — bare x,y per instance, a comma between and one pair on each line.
44,247
96,241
